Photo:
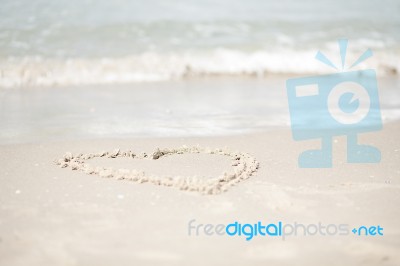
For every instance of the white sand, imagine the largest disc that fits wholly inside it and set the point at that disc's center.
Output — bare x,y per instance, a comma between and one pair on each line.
54,216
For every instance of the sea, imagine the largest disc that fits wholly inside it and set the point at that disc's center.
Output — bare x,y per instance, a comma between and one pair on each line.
100,68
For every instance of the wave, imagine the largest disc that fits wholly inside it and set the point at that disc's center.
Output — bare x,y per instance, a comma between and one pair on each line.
39,71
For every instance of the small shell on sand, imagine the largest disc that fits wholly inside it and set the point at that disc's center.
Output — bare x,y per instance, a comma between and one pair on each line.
157,154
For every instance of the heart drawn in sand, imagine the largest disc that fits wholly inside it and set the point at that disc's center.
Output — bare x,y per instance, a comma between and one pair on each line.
243,166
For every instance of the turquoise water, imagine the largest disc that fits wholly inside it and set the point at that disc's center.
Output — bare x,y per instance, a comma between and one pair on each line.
83,69
46,43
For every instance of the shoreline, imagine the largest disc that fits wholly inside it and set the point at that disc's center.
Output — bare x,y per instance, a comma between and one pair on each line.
196,107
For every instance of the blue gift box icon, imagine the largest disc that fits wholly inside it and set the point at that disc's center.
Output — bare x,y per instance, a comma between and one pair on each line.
345,103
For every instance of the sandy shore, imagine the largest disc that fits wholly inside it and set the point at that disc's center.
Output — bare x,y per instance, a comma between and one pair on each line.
56,216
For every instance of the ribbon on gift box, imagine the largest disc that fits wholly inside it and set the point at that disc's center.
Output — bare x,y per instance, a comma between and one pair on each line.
343,50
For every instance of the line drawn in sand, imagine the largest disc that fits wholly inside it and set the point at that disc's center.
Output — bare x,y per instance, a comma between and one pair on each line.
244,166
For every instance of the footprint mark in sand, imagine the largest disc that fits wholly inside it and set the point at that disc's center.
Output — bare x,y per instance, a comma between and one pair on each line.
243,166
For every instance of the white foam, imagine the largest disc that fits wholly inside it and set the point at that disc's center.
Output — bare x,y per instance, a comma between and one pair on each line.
38,71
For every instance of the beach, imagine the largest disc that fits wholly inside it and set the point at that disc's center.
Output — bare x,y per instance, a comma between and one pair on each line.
199,132
53,215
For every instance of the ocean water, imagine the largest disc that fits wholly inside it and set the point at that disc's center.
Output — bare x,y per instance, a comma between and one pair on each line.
96,68
81,42
194,107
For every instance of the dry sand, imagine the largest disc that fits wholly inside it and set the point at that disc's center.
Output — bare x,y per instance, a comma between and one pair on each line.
56,216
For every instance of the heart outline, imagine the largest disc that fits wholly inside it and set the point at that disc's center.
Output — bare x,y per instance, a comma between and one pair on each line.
243,164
